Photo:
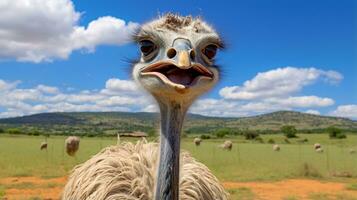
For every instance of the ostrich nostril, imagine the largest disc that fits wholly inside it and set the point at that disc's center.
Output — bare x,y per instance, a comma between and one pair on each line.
171,53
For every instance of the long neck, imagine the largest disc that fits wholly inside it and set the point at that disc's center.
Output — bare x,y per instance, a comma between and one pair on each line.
172,116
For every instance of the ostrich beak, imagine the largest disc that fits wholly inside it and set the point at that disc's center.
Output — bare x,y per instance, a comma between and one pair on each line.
179,69
184,61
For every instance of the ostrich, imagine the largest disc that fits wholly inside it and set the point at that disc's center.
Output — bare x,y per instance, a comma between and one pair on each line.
176,67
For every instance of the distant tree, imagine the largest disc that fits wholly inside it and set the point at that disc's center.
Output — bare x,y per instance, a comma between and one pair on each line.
289,131
335,133
2,130
251,135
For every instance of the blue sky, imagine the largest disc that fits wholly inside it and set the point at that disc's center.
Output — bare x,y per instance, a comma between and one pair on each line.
305,51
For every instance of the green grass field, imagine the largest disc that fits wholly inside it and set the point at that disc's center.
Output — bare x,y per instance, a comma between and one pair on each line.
20,156
248,161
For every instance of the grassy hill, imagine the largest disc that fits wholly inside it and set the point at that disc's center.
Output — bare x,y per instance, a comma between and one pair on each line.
97,123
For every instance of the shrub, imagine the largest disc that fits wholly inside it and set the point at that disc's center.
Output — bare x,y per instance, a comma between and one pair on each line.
2,130
14,131
204,137
341,136
289,131
271,141
91,134
250,135
287,141
222,132
259,139
335,133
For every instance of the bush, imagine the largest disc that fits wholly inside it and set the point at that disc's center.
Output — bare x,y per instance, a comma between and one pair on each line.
289,131
271,141
222,132
2,130
14,131
250,135
259,139
341,136
90,134
335,133
204,137
287,141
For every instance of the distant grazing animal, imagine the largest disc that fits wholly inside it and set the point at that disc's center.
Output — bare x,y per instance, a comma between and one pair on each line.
319,150
176,67
317,146
43,145
276,147
72,145
197,141
227,145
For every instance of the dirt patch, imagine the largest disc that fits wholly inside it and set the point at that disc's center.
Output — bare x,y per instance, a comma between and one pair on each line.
31,187
300,188
31,179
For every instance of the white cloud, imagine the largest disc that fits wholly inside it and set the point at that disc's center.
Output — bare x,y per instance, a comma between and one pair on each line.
36,30
277,83
218,107
349,111
47,89
105,30
273,90
302,101
8,85
118,95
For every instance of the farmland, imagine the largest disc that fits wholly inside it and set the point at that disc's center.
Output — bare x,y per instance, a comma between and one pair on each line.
249,161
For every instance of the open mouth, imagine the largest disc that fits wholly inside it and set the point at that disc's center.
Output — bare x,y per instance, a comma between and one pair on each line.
171,74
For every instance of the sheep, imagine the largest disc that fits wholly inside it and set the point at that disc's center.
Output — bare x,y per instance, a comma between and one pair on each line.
43,145
197,141
319,150
72,145
227,145
317,146
276,147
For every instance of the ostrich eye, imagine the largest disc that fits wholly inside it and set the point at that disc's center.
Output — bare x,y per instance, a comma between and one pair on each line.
210,51
147,47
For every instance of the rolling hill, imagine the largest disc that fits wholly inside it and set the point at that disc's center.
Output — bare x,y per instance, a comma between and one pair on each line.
111,122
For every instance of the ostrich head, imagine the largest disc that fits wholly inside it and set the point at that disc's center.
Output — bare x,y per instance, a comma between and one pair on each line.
176,67
177,58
